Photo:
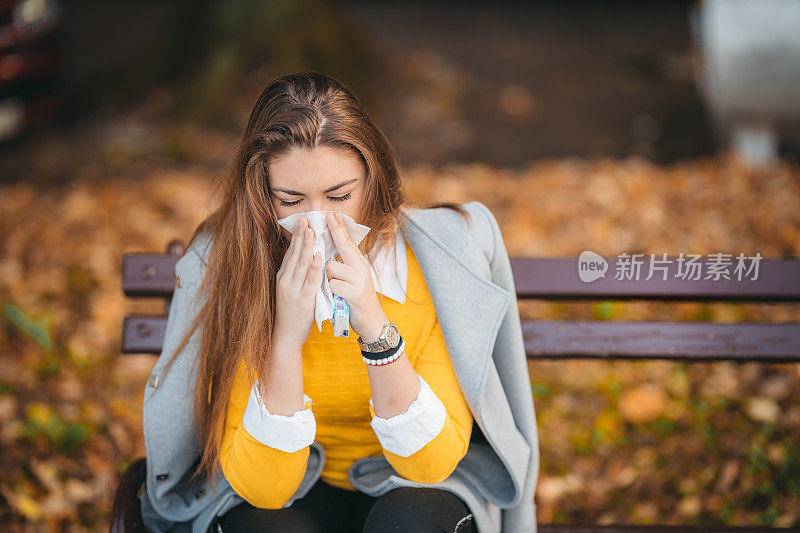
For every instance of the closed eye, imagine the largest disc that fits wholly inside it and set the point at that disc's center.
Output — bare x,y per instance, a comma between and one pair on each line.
334,198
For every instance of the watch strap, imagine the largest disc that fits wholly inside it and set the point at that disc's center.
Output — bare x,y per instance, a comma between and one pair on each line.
381,344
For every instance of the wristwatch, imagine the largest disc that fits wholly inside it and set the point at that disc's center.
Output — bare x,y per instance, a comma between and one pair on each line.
390,338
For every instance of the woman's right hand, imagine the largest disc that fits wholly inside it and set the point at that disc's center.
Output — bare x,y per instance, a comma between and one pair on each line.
296,289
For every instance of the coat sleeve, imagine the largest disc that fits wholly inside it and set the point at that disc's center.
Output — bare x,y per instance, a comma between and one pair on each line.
512,367
438,425
168,424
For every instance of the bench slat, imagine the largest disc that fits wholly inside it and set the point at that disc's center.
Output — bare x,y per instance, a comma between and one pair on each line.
143,333
555,278
560,339
694,341
148,275
550,278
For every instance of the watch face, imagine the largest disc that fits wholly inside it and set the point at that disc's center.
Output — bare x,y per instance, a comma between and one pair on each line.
392,335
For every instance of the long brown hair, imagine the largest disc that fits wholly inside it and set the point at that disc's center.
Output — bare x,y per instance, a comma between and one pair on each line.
302,110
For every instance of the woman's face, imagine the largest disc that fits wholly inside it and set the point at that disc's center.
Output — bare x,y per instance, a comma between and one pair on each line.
322,179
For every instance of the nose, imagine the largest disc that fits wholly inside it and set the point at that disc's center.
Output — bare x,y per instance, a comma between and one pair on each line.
315,205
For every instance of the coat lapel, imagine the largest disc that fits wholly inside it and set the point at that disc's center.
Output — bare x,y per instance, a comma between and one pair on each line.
470,308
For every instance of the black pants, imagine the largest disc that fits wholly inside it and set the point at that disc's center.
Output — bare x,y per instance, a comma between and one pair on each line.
329,509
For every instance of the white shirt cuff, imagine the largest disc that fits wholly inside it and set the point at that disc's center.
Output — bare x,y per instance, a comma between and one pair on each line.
287,433
407,433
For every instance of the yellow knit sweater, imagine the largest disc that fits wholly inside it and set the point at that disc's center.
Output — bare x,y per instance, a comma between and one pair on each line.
335,378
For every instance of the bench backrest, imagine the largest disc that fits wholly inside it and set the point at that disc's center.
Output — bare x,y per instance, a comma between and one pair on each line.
775,281
771,281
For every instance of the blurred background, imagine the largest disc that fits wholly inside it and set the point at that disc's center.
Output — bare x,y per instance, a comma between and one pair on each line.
638,127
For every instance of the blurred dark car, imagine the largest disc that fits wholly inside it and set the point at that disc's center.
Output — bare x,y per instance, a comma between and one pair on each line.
32,64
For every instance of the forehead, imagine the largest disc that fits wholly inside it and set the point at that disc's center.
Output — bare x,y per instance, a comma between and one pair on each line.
317,168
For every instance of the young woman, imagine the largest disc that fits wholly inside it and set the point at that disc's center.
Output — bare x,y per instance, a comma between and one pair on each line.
420,420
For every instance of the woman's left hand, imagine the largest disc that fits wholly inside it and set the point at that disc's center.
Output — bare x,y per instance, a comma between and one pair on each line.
351,279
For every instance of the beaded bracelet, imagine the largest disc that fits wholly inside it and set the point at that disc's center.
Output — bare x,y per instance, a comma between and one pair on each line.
385,357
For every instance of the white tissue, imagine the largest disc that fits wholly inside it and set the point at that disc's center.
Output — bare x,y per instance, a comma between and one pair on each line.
323,243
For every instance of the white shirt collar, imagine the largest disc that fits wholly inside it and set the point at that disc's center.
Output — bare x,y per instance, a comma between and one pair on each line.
387,281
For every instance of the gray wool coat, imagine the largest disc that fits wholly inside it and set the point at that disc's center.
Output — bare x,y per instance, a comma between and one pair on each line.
469,277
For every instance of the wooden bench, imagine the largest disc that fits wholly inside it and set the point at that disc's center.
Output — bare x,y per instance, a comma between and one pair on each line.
777,280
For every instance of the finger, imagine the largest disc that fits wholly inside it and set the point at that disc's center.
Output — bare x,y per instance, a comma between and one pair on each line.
304,259
297,234
297,240
313,277
340,288
347,237
344,243
337,270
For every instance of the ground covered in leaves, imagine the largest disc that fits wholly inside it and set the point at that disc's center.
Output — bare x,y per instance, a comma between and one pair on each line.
643,442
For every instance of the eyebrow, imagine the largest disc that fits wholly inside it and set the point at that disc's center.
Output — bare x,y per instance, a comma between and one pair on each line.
330,189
